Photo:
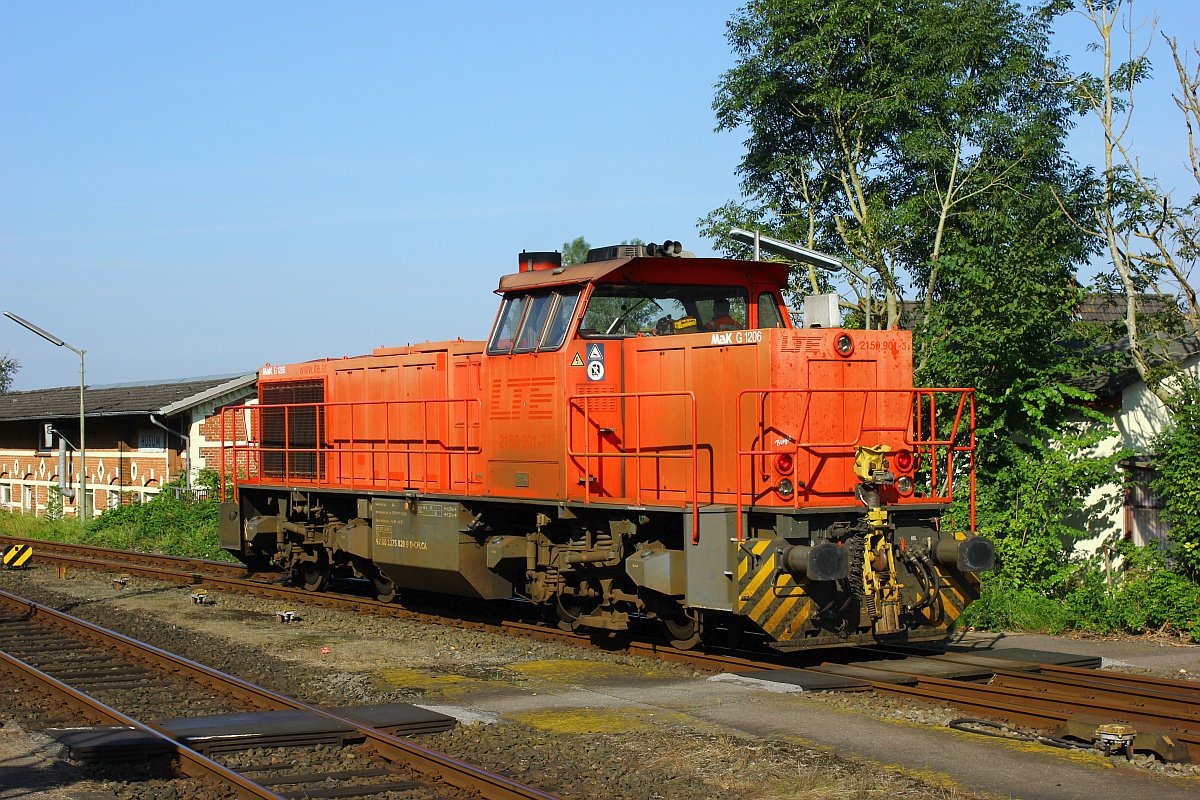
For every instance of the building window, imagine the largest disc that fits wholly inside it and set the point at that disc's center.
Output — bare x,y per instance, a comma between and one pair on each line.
114,499
1143,507
6,494
29,498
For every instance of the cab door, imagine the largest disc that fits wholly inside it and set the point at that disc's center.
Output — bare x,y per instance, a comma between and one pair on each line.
596,420
523,387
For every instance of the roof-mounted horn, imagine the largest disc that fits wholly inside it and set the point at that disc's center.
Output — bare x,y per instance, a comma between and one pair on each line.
668,249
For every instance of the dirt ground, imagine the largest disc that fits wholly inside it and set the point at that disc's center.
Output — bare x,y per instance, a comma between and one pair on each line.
568,748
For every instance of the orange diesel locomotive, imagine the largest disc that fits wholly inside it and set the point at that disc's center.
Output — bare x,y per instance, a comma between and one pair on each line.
645,434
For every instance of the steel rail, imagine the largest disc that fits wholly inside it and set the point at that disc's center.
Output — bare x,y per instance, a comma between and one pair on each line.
1015,706
86,551
1021,707
191,763
1186,689
1111,694
421,760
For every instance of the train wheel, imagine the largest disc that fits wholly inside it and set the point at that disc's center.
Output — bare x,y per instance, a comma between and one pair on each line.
385,588
568,611
315,577
683,632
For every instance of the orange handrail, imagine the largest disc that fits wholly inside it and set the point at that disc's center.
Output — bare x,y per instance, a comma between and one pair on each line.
255,450
911,430
636,454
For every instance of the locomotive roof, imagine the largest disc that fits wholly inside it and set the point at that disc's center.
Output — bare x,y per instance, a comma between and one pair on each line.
698,270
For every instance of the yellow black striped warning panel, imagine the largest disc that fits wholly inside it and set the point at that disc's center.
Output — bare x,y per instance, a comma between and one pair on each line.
17,555
769,596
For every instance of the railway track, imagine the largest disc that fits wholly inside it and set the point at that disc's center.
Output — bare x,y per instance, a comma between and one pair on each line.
105,695
225,576
1041,697
1063,700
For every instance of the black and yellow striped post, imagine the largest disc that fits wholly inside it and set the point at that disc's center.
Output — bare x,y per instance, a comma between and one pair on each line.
17,556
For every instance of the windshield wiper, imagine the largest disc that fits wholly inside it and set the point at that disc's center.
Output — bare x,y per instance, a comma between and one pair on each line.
621,317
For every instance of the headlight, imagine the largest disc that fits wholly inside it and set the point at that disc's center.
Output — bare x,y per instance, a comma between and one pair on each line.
845,345
904,485
786,488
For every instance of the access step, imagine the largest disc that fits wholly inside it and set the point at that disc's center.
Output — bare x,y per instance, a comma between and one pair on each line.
93,744
222,733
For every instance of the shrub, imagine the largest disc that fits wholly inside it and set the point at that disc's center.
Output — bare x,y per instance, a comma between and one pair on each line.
172,522
1147,596
1005,606
1177,460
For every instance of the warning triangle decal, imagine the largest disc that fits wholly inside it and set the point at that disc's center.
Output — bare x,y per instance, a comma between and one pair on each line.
577,361
595,353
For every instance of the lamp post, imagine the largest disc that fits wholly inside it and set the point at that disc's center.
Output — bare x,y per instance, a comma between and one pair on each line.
81,506
803,255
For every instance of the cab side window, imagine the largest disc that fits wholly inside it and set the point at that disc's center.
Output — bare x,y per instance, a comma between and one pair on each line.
768,312
535,321
560,323
506,328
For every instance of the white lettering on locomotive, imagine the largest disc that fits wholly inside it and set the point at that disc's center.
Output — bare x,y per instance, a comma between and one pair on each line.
737,337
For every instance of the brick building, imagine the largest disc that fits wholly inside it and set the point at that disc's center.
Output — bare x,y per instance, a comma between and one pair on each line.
139,437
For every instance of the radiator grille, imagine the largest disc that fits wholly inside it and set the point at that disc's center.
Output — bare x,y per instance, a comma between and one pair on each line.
298,430
593,389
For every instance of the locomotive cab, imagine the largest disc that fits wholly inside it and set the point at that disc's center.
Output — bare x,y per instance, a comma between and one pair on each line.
644,435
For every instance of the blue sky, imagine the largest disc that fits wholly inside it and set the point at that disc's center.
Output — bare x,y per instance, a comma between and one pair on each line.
194,189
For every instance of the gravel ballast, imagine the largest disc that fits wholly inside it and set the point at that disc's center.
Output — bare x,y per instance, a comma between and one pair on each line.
330,657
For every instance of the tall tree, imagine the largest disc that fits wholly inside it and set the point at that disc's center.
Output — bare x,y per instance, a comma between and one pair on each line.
1151,235
875,127
575,251
8,368
923,140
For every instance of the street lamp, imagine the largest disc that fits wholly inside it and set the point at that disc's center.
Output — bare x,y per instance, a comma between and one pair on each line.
81,506
804,255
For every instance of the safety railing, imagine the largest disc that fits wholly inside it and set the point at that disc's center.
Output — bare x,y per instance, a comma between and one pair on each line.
583,402
294,443
916,426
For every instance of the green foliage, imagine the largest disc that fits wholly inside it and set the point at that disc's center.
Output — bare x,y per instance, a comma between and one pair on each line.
575,251
1150,596
8,368
1177,460
31,527
1007,328
877,131
1003,322
1002,606
172,522
54,503
1034,507
1146,597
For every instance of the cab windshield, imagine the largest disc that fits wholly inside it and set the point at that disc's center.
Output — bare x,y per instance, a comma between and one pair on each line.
621,310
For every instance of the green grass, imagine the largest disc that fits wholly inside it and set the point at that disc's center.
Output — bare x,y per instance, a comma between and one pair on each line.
1147,596
165,524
